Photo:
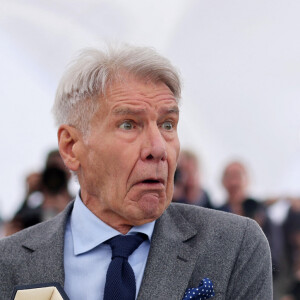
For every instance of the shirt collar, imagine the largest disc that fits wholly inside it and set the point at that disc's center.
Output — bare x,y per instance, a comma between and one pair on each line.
89,231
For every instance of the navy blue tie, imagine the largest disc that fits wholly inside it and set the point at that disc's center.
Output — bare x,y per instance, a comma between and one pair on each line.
120,279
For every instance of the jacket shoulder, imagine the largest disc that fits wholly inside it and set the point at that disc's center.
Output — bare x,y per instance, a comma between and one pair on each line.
36,234
233,252
200,217
221,233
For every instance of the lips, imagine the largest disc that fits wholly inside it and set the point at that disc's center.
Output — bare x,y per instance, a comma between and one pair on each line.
151,181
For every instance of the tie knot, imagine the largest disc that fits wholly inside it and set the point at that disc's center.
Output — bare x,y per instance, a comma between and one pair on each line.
124,245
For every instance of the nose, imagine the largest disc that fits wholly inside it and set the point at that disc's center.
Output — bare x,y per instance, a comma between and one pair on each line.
154,145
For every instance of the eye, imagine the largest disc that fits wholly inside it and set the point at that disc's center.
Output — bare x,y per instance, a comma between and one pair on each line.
167,125
126,125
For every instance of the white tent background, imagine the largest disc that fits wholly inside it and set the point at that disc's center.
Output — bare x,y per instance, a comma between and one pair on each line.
239,61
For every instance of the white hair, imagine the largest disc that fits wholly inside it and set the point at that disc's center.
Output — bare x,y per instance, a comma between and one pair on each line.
88,77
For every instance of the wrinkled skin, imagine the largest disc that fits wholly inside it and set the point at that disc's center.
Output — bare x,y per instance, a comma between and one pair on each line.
126,162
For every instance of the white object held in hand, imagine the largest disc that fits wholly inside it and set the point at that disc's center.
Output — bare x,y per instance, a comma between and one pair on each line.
44,291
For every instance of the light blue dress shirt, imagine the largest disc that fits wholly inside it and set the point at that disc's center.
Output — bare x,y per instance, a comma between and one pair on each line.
86,258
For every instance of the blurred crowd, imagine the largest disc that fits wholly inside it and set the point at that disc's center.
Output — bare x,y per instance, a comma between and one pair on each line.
47,194
282,233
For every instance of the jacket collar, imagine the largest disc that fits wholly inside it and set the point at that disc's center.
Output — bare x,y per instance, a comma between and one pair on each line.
169,266
171,258
45,245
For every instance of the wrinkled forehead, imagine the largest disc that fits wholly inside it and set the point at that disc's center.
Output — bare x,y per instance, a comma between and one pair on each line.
130,83
137,94
135,97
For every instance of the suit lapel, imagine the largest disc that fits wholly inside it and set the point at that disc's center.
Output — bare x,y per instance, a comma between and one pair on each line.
171,258
45,250
169,266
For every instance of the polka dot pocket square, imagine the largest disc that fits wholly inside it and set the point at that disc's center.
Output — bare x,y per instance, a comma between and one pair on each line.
205,290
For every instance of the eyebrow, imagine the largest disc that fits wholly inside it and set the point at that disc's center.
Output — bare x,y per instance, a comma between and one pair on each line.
170,110
121,111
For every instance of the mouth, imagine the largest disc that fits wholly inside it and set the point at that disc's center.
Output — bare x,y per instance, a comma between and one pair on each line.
152,182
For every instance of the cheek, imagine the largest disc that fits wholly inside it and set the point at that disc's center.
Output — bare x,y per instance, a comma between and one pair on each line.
98,164
170,193
173,155
121,165
172,164
176,146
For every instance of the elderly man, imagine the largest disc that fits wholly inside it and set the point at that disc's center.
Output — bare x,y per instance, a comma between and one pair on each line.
117,113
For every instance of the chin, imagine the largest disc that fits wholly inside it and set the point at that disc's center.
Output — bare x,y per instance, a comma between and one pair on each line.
152,207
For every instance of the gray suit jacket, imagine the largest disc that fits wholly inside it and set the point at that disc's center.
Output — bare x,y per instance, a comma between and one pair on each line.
189,243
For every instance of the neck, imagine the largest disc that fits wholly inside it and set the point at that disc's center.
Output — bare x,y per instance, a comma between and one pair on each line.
106,216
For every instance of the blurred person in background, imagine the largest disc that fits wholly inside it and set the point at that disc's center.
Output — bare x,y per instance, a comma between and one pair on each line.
187,182
235,180
1,228
47,194
291,228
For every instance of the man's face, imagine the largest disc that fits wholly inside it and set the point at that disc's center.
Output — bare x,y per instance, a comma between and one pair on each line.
235,181
128,158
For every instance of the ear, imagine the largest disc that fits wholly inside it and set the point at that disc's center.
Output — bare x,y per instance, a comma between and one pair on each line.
68,137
